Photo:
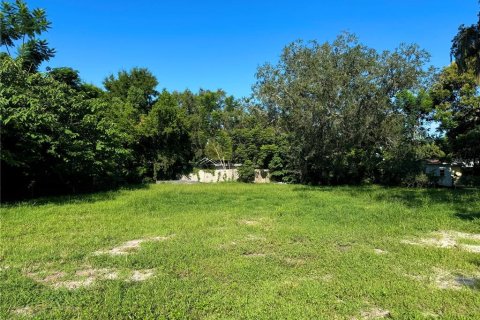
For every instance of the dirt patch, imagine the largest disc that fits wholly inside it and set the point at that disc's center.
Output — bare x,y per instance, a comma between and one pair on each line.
24,311
470,248
103,274
430,314
262,223
53,277
375,313
443,279
343,247
47,278
380,251
254,255
86,277
250,222
297,281
317,277
448,239
446,280
130,246
252,237
295,262
80,279
74,284
416,277
142,275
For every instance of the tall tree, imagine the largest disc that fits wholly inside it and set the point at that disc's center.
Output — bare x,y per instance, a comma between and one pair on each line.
19,28
335,102
164,141
137,87
457,103
466,48
54,138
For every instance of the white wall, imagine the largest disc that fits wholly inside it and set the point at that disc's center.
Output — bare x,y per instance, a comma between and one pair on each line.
435,170
224,175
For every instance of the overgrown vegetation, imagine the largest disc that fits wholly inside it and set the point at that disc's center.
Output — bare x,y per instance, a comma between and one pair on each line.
326,113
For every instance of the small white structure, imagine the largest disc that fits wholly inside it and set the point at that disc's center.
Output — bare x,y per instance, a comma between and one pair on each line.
212,175
223,175
442,171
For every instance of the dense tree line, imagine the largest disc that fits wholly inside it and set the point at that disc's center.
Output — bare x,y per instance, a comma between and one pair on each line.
326,113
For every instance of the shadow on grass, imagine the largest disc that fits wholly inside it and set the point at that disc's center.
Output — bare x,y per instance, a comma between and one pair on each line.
460,200
88,197
468,215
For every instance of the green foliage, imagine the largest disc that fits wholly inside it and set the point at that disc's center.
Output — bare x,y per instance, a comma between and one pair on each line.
19,28
164,139
219,147
276,169
457,105
337,104
246,173
66,75
64,144
136,87
466,48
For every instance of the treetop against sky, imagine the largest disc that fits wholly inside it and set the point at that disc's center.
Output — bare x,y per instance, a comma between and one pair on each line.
219,44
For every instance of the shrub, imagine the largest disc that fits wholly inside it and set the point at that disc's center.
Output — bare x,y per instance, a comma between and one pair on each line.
246,173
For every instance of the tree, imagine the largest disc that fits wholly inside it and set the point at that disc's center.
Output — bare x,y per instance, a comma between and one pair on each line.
205,116
219,147
335,103
457,104
466,48
137,87
19,28
246,173
54,139
164,140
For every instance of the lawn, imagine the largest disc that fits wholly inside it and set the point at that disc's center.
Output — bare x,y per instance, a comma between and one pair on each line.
239,251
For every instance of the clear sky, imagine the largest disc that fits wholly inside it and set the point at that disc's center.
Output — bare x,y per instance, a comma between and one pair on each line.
219,44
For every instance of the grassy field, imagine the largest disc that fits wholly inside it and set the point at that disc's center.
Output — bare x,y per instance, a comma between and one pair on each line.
238,251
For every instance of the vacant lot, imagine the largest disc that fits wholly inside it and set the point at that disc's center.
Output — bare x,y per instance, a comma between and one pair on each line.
236,251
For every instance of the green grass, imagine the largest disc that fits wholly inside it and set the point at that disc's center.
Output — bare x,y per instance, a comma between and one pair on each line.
241,251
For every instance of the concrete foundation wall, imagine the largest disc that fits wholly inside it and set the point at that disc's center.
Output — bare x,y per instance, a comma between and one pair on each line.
224,175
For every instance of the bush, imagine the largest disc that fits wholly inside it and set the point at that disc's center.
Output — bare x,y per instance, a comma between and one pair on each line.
420,180
469,181
276,169
246,173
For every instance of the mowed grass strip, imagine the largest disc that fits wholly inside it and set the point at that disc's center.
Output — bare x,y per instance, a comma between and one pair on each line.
239,251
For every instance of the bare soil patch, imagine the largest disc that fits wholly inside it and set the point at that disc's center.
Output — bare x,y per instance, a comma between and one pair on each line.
380,251
448,239
250,222
343,247
375,313
252,237
262,223
295,261
130,246
254,255
446,280
86,277
142,275
443,279
26,311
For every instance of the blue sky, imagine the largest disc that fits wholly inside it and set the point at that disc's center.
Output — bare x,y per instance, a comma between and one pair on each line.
219,44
